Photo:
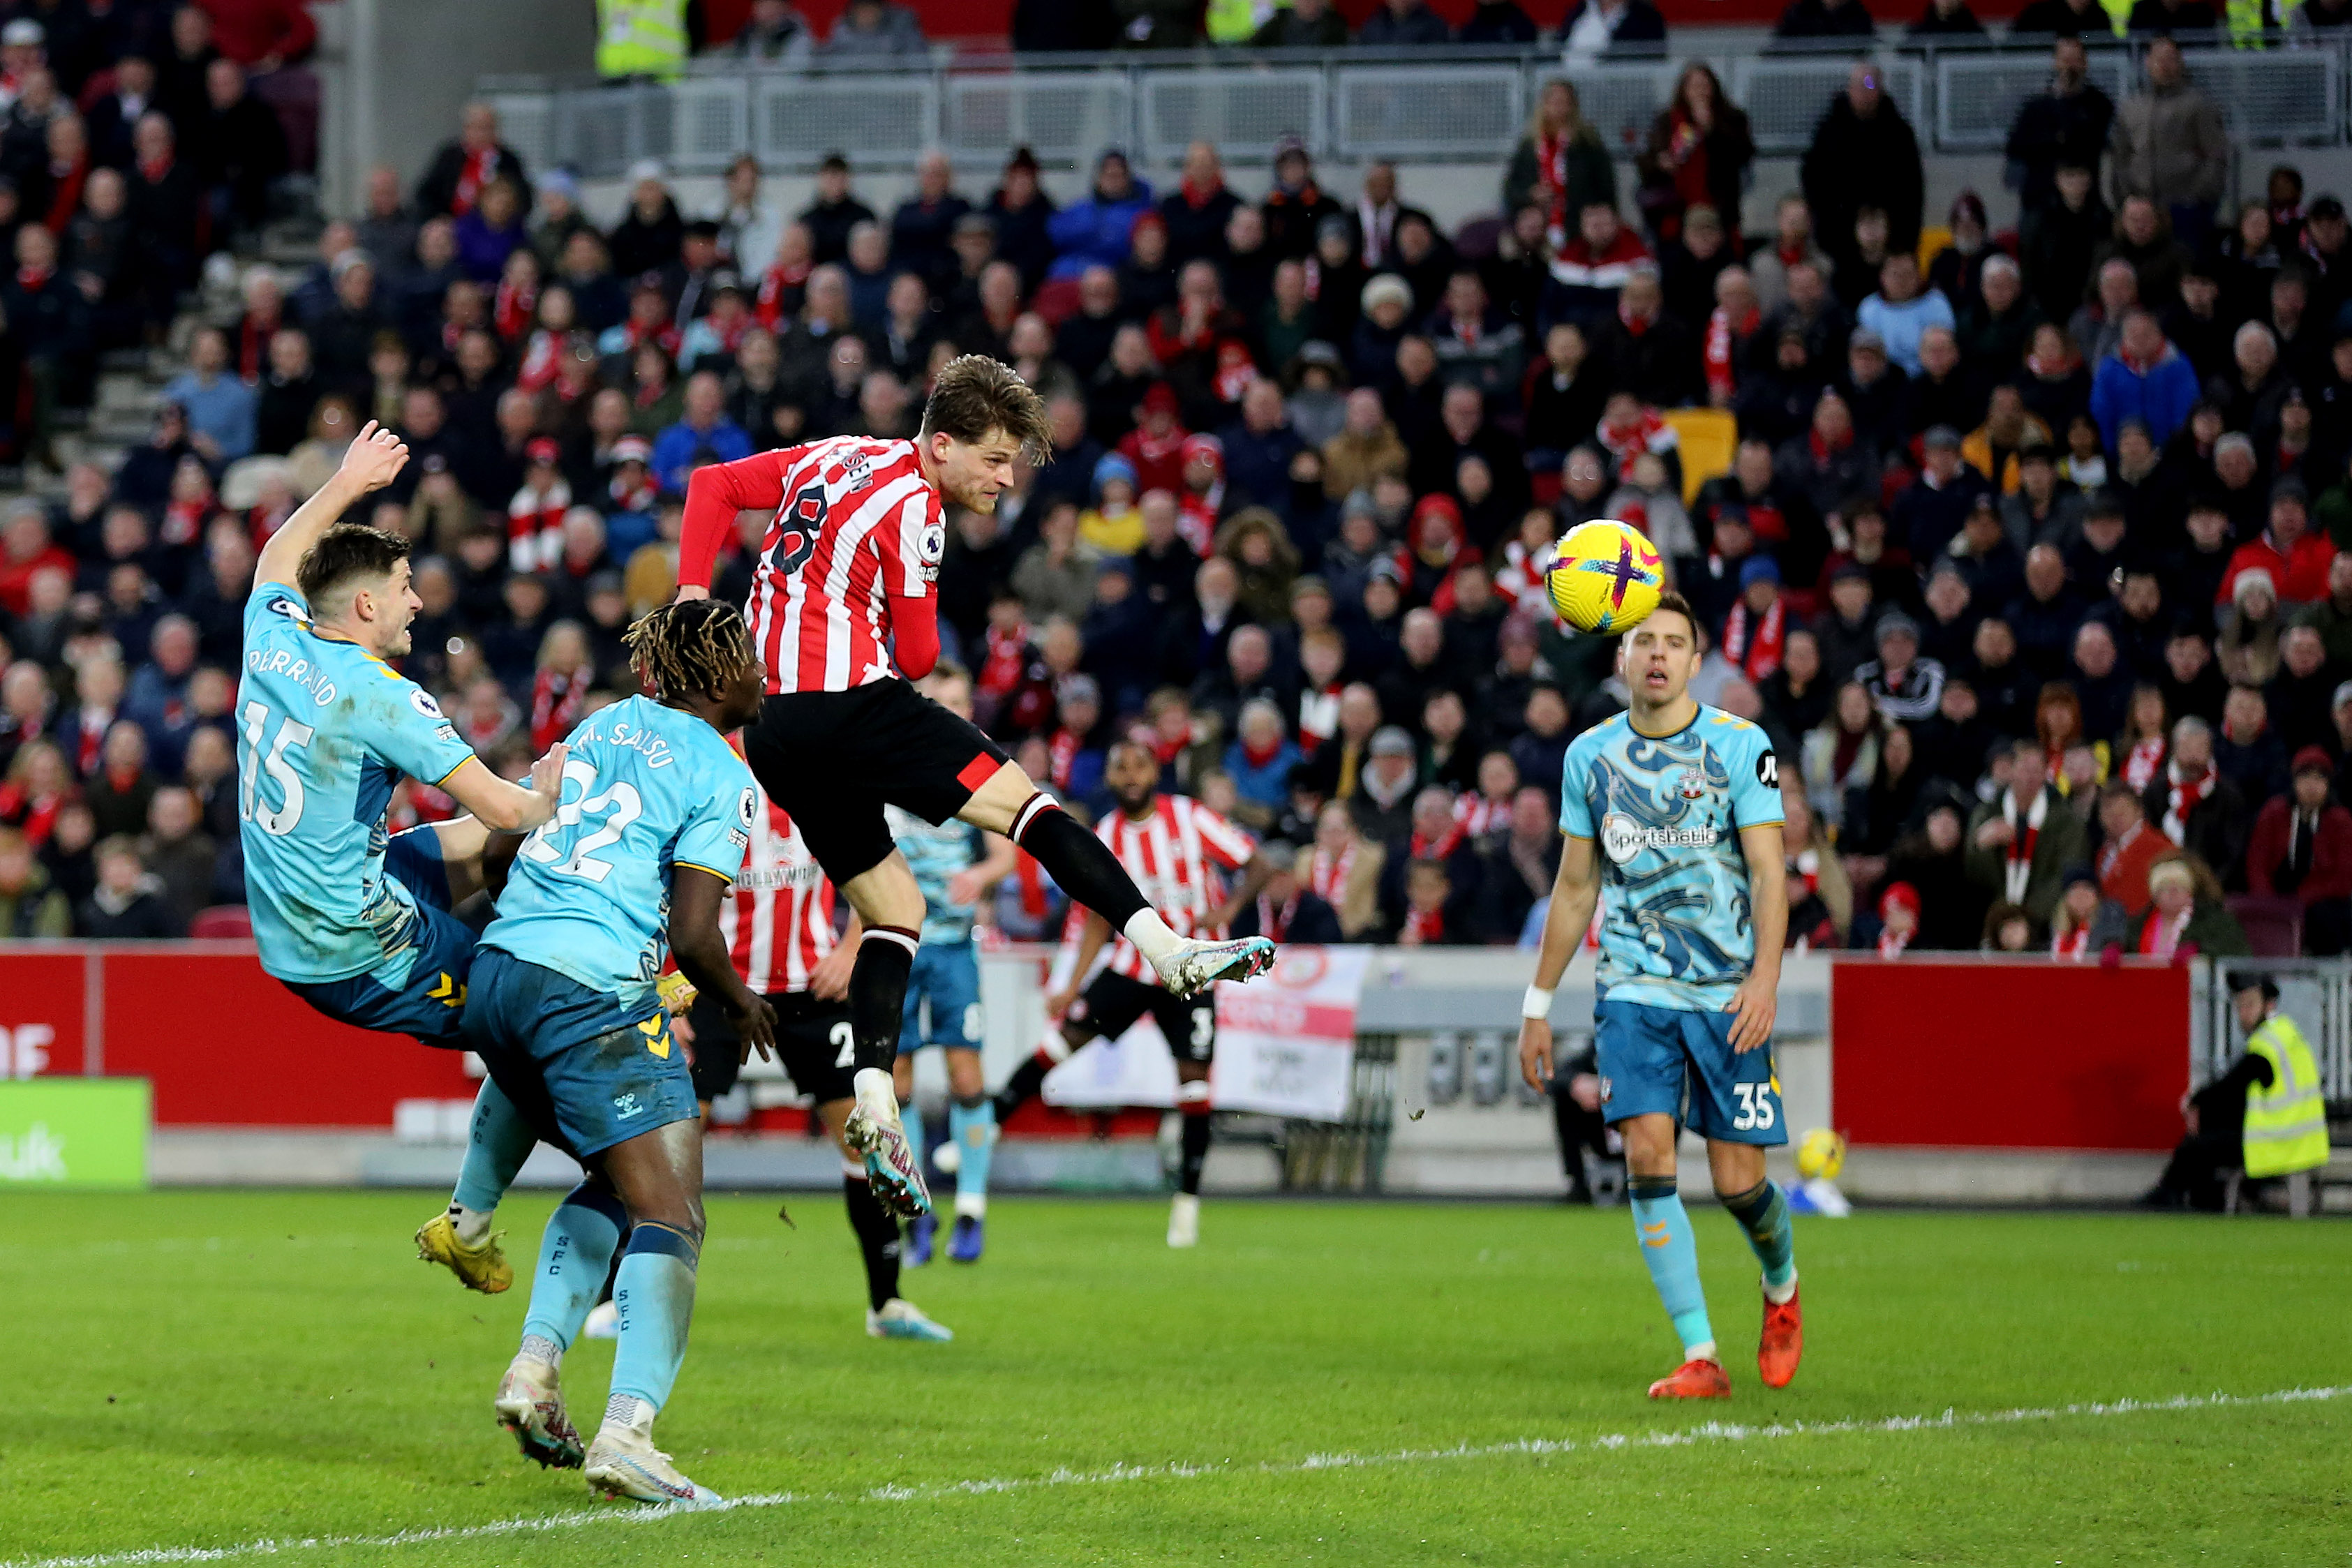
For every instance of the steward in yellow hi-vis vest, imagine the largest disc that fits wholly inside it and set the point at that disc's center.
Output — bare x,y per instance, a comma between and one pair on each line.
2265,1115
640,37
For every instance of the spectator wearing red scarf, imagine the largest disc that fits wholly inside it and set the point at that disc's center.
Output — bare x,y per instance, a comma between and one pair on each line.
1560,165
462,169
1731,329
1755,632
1698,155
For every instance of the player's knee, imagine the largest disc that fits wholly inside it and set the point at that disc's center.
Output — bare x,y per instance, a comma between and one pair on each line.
1004,795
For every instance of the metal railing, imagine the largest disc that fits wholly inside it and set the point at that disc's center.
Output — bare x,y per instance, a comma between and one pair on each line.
2315,992
1463,105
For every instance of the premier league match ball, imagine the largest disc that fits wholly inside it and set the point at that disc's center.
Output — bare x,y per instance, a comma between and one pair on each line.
1605,576
1821,1154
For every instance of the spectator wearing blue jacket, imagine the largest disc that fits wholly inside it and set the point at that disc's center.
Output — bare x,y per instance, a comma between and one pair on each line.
1901,310
2145,379
1259,762
1094,233
219,406
703,435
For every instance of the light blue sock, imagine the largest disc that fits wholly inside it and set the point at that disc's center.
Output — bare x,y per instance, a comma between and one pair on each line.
1664,1229
654,1293
497,1143
974,1128
910,1116
574,1255
1763,1213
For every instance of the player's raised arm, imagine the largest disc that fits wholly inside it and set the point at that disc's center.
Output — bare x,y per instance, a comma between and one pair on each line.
374,460
714,494
695,941
1574,892
1757,999
510,807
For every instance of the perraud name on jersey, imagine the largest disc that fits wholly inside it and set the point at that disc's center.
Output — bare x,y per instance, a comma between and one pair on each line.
1623,838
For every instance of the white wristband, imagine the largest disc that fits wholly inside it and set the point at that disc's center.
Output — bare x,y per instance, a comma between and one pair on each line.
1536,1004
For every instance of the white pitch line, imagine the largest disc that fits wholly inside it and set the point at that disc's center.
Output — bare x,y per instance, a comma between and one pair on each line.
1712,1432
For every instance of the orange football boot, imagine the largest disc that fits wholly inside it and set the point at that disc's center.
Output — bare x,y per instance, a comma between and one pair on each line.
1693,1380
1783,1345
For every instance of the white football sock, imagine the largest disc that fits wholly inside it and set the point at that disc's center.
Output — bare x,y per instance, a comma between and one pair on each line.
1704,1351
1151,936
1781,1295
628,1410
473,1225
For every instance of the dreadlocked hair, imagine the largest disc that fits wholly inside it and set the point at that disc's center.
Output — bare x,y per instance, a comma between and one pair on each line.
694,646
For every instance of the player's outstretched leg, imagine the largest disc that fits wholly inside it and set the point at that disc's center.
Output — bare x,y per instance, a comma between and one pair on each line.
1664,1229
971,1132
1192,1109
1763,1213
575,1253
497,1141
878,1005
1028,1079
1085,868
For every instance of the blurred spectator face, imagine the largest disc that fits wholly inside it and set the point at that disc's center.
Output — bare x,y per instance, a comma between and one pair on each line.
1598,226
2138,220
2094,651
2045,573
2304,652
1994,644
1547,712
2142,596
1216,585
1249,655
1498,775
1423,638
174,645
125,748
1359,713
1245,232
172,814
1114,181
420,412
1642,295
2233,460
98,684
1531,815
1898,277
2256,353
478,127
1939,354
2287,521
355,283
1463,411
120,869
2244,714
869,247
1863,89
124,533
223,82
1832,421
705,398
2164,67
2209,527
437,243
210,759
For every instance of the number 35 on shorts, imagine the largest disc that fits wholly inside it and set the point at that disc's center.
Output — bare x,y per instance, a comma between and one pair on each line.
1758,1103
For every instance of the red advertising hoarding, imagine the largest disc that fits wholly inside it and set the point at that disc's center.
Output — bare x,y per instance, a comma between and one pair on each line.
2028,1055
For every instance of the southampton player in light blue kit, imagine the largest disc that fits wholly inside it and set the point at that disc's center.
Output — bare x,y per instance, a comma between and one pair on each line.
1672,813
956,865
355,921
656,814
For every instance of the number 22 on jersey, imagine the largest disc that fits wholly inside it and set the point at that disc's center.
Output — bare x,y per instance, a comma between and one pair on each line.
616,805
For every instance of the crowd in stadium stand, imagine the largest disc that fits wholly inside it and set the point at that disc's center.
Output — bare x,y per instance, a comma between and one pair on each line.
2025,555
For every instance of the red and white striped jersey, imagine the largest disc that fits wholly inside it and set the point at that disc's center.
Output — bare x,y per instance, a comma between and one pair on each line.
1176,856
855,524
778,923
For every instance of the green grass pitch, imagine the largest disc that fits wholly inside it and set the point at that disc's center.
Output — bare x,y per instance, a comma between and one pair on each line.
197,1371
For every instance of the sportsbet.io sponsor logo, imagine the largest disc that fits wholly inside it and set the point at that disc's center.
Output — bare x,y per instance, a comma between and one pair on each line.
1623,838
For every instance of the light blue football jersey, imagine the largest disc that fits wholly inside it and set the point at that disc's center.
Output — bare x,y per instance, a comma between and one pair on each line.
1665,815
646,789
937,853
324,730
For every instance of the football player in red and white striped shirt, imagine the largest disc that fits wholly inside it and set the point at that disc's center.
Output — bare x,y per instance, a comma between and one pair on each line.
843,608
1201,871
779,931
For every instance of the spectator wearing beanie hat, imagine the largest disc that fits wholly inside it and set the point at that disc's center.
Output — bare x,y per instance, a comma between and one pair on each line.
1755,630
2297,559
1905,687
2086,924
2302,849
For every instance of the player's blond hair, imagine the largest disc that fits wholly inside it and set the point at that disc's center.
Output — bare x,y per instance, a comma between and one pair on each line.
976,397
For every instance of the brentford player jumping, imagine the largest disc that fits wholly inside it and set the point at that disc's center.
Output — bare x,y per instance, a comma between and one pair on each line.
1183,852
849,566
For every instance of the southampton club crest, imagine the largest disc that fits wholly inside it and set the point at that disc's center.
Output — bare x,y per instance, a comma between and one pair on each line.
1691,785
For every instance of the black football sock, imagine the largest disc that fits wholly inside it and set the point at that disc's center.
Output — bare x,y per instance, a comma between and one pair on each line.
1195,1147
878,1239
1080,863
877,993
1027,1081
